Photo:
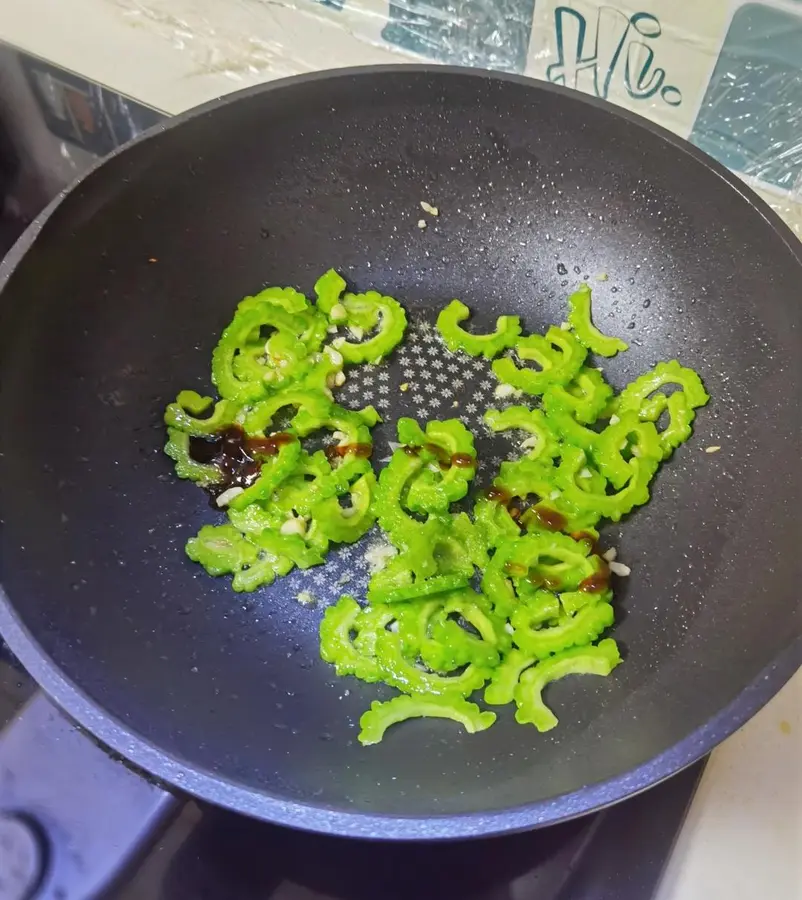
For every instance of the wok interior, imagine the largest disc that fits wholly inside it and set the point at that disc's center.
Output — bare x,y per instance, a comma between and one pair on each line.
117,307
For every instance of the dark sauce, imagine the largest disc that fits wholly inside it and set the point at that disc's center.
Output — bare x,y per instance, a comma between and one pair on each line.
534,578
443,459
499,495
587,536
463,460
548,518
205,450
338,451
460,460
551,520
237,456
268,446
538,580
597,582
532,575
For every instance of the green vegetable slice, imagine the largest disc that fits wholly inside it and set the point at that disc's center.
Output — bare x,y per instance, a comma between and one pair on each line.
338,482
578,629
494,522
177,448
598,660
497,586
612,506
564,424
572,601
285,297
393,480
448,474
263,414
586,396
406,533
312,480
366,312
415,590
221,549
501,689
680,419
401,672
537,608
443,546
237,371
542,443
628,435
451,646
353,425
439,553
461,545
533,478
337,646
451,436
291,546
526,476
681,415
559,355
415,562
325,372
448,645
189,405
381,716
370,623
579,318
255,518
348,524
264,571
634,394
328,290
681,405
488,345
553,560
412,623
316,539
275,469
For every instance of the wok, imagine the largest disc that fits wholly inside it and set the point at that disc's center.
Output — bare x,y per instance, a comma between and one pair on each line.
113,300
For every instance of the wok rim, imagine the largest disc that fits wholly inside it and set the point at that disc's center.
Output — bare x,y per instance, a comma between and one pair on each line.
204,784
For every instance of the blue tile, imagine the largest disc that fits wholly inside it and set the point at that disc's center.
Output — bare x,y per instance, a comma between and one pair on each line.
751,116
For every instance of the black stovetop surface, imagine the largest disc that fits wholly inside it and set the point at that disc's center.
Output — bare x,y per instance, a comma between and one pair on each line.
208,854
618,854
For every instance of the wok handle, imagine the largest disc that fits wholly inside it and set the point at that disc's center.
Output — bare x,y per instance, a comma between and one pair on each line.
71,817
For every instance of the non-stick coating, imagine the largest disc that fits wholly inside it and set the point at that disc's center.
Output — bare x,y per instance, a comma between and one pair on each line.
118,303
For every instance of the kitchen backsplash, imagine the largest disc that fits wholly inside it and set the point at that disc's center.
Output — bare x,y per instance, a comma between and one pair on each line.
727,75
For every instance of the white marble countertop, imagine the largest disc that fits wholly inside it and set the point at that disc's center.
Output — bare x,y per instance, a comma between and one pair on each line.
743,836
742,839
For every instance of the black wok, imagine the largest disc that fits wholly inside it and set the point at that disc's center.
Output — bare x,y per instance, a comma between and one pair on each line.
113,301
